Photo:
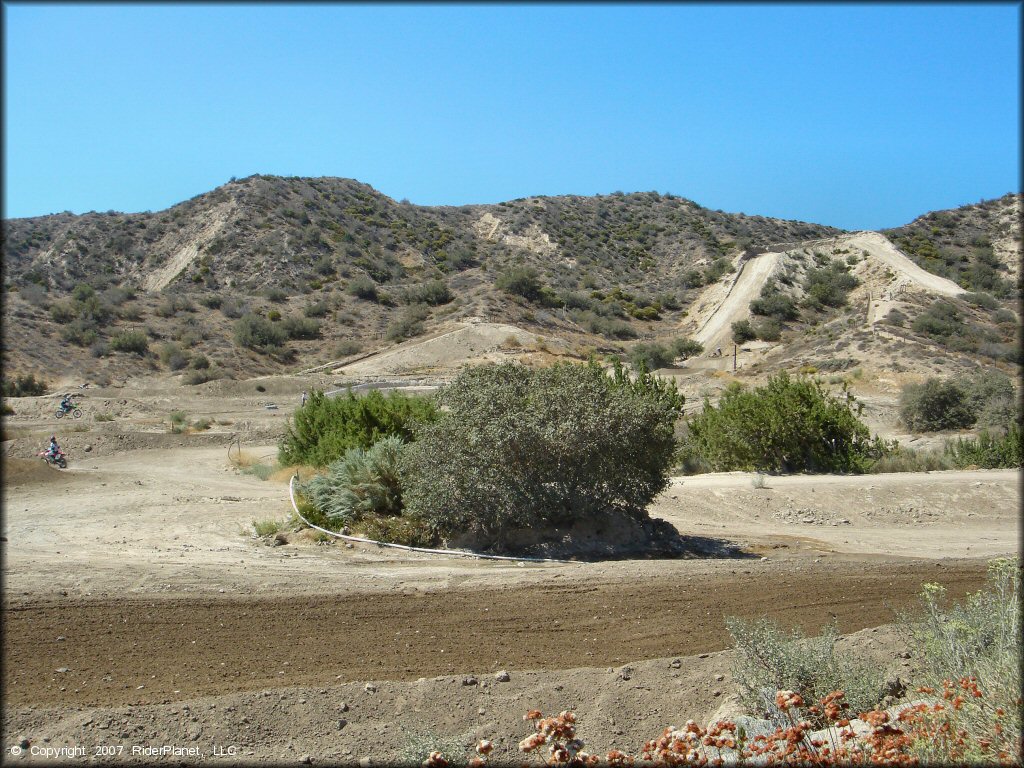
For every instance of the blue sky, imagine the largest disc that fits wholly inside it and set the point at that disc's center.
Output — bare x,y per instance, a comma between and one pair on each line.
858,116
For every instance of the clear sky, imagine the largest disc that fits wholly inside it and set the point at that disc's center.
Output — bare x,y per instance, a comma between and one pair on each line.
858,116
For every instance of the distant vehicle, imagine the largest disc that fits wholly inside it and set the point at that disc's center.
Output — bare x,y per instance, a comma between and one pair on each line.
59,460
74,410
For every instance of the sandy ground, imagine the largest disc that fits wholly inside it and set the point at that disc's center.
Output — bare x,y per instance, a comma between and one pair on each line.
140,611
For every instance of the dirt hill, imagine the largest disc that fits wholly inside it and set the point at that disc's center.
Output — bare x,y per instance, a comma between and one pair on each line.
269,274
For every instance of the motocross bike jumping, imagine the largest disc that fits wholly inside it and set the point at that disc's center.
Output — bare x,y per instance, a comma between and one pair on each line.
66,407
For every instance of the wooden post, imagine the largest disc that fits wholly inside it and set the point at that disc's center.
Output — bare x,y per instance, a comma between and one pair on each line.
734,357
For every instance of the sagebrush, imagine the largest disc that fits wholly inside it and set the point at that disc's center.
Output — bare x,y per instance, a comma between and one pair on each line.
515,447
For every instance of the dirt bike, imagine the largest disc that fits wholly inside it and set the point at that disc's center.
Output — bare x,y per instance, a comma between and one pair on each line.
74,410
60,460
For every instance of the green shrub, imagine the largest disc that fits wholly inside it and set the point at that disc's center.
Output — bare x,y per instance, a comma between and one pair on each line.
435,293
989,451
274,315
609,327
199,362
935,405
789,425
984,300
743,331
200,376
829,285
267,528
316,309
172,356
255,332
362,482
62,313
1004,317
940,321
980,639
326,427
301,327
773,303
516,447
25,385
520,281
348,347
717,268
324,266
686,348
179,422
769,660
408,324
693,278
362,287
409,531
991,396
895,317
171,305
650,356
903,459
276,294
80,332
234,308
130,341
768,329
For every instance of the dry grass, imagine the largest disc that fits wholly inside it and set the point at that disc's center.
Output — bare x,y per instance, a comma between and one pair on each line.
284,474
244,459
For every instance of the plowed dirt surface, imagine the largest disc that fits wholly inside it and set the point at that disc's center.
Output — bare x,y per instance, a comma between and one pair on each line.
120,652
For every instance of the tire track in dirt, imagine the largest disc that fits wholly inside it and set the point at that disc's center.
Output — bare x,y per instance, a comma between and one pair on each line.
120,652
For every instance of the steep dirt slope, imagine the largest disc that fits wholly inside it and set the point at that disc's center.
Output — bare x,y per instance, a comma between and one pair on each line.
716,330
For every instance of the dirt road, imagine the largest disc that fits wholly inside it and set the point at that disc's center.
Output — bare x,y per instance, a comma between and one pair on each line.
755,271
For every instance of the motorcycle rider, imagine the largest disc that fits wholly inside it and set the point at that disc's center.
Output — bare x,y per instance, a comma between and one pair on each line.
54,450
66,404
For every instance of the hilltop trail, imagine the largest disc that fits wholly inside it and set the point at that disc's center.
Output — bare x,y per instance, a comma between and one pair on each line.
879,247
755,272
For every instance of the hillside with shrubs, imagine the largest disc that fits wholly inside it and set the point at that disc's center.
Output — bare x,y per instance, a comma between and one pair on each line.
265,271
268,274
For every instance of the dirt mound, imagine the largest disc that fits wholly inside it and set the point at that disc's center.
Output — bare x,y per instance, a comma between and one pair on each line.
610,536
473,342
18,472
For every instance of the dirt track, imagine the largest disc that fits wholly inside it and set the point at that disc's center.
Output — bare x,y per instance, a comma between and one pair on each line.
141,559
120,652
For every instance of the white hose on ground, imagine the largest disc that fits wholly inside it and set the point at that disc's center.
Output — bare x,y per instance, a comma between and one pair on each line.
291,494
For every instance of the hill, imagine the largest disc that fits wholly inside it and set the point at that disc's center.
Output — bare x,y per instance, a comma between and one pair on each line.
268,274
